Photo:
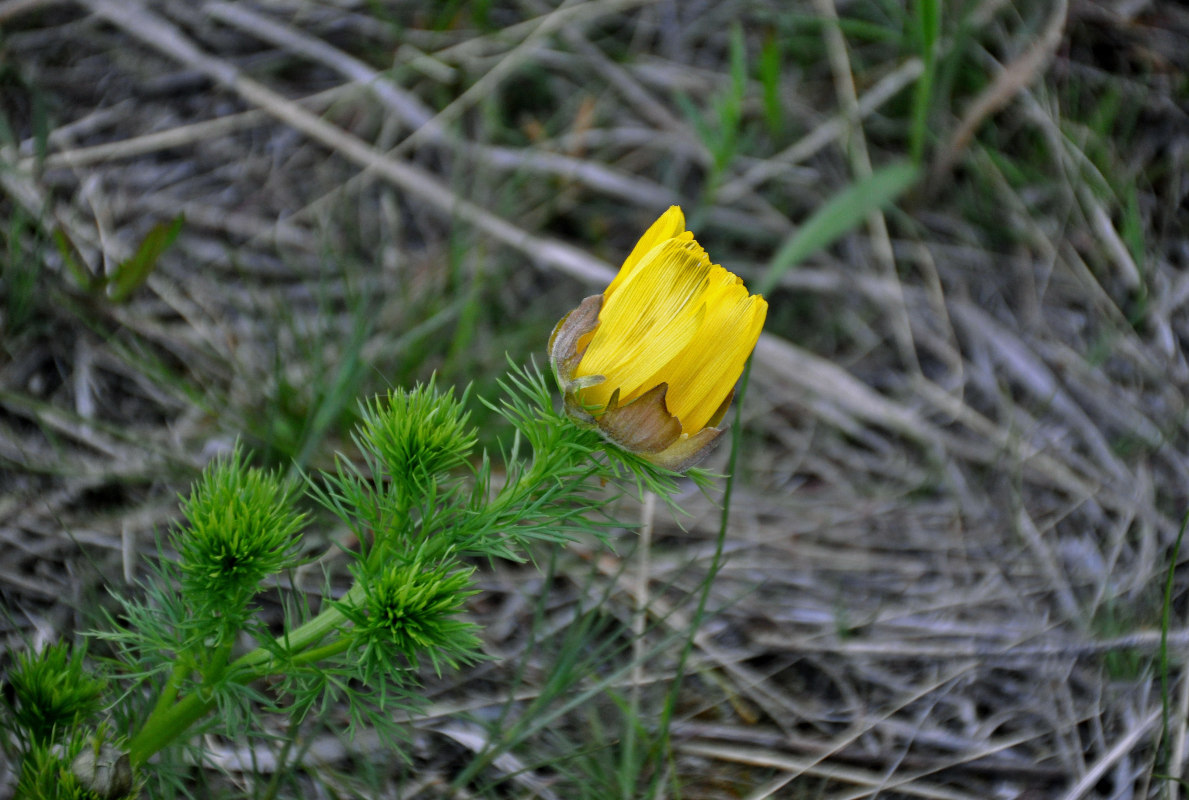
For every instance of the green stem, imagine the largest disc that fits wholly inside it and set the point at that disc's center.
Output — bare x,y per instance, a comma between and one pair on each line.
169,721
169,692
162,728
218,664
325,651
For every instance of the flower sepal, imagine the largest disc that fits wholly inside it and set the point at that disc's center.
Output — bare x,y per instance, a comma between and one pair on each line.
644,426
568,342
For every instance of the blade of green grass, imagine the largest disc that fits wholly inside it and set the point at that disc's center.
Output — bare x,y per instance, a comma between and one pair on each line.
1162,752
133,272
769,66
844,211
928,30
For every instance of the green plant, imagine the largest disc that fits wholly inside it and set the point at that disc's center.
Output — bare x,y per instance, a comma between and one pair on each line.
423,506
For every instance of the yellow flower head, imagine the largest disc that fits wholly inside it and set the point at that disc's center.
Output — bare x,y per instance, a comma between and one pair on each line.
653,360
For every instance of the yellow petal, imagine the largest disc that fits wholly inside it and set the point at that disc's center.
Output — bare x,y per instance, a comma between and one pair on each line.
670,225
702,376
653,316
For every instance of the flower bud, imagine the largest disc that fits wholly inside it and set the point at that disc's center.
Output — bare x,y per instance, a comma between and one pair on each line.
652,362
412,610
242,527
49,692
418,434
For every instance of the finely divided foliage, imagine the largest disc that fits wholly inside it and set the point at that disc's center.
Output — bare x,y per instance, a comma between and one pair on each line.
241,527
421,511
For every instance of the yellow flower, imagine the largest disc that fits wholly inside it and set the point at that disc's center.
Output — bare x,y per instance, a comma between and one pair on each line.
653,360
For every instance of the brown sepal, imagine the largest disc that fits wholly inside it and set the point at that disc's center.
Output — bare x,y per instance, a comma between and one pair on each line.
564,353
687,451
644,425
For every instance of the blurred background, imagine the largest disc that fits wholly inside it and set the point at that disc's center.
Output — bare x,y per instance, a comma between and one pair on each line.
952,549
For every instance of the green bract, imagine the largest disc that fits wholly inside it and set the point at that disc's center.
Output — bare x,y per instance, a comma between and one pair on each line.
416,435
412,445
241,524
411,610
47,693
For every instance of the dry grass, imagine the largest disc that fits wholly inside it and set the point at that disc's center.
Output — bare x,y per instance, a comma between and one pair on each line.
965,450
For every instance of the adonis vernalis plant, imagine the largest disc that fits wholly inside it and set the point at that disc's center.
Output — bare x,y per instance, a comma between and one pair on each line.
648,366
